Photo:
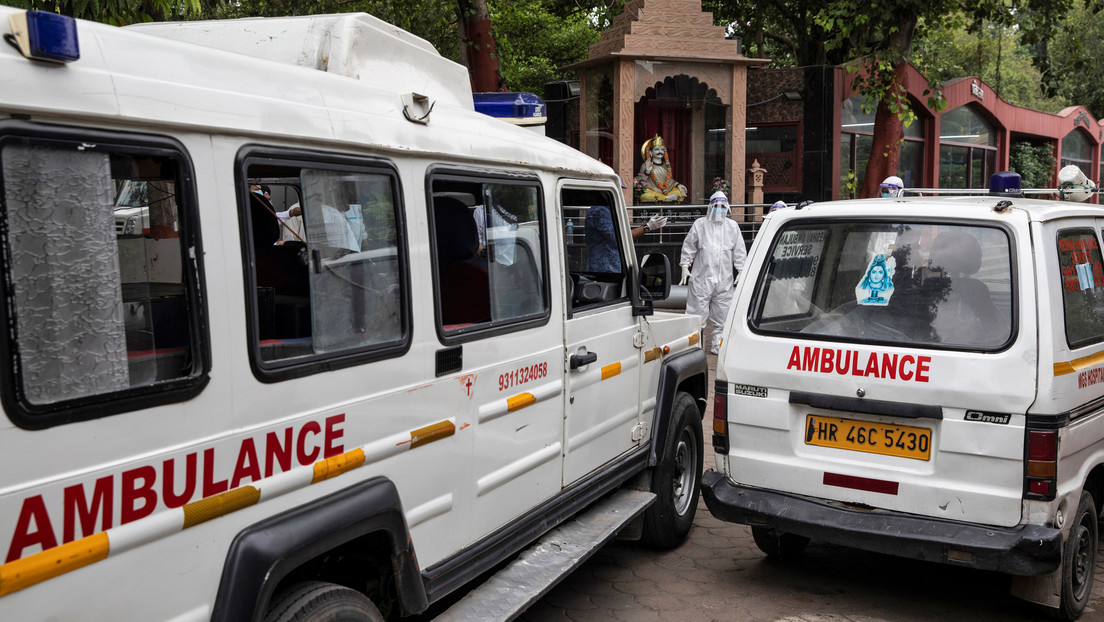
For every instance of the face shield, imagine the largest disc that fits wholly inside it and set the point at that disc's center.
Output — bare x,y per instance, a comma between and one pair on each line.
718,211
890,190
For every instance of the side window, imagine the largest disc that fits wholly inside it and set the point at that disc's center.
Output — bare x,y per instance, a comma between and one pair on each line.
489,245
595,259
328,270
1082,286
100,277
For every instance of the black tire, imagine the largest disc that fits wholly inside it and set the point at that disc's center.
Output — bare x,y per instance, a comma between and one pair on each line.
316,601
1079,560
676,480
783,547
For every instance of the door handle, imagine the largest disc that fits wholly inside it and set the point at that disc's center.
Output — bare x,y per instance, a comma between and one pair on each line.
579,360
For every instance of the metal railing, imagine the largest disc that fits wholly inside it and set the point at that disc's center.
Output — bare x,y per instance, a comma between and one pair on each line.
668,240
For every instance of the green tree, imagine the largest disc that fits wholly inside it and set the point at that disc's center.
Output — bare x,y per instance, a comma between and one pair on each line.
1034,162
119,12
992,52
1076,59
880,35
785,32
534,42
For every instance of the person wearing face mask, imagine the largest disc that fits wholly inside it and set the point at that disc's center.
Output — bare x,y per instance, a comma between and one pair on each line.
716,248
892,187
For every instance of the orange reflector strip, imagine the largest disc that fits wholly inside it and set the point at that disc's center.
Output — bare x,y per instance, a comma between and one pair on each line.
332,467
430,433
1042,469
1069,367
53,562
695,338
611,370
520,401
718,426
204,510
651,355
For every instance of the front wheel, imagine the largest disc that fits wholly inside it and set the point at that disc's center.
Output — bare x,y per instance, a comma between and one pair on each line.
1079,560
315,601
676,478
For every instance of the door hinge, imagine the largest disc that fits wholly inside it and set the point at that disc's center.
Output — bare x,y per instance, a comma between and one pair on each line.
638,339
637,432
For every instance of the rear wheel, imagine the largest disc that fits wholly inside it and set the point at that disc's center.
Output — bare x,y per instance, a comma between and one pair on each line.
1079,560
784,547
676,478
316,601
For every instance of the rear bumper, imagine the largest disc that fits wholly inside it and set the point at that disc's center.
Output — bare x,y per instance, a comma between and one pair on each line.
1023,550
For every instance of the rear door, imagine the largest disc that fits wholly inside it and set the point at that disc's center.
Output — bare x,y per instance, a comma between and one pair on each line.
500,352
888,363
603,364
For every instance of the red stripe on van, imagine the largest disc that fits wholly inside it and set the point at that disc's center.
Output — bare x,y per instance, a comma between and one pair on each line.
861,483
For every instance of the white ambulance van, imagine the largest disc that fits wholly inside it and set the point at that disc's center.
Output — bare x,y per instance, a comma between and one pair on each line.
383,381
921,377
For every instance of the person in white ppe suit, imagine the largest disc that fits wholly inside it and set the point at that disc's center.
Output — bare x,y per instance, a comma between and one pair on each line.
892,187
715,247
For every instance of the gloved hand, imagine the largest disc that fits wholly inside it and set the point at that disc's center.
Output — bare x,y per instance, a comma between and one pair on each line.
656,222
685,273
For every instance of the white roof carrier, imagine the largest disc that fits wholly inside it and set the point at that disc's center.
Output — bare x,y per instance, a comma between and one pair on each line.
356,45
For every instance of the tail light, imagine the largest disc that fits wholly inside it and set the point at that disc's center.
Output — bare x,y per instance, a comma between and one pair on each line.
720,417
1041,470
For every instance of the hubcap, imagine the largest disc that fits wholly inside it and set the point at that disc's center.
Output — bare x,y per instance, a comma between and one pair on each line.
1082,554
683,474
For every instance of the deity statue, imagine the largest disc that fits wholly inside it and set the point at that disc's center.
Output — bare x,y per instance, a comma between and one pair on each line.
661,184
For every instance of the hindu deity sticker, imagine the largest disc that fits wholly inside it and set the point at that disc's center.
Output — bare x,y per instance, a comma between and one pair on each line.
876,286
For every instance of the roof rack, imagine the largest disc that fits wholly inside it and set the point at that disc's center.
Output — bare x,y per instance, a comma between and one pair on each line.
1073,186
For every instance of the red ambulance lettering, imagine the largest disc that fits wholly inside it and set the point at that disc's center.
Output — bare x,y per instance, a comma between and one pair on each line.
247,464
32,529
77,507
849,362
211,487
304,457
139,500
168,487
88,508
275,453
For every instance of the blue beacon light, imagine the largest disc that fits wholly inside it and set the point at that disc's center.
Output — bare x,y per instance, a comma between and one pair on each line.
45,36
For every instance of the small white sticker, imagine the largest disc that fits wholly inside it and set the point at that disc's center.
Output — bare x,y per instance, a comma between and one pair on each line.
876,286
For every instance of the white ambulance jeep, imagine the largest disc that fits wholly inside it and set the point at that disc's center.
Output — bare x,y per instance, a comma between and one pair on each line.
922,377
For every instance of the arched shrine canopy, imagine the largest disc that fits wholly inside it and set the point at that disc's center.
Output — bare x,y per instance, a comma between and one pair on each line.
663,68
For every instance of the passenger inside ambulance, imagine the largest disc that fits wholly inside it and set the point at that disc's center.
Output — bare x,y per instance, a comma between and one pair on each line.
331,282
596,266
489,256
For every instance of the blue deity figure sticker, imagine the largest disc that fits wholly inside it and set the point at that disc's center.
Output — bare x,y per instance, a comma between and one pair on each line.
876,286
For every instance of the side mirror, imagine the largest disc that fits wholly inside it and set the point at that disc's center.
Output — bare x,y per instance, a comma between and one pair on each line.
655,277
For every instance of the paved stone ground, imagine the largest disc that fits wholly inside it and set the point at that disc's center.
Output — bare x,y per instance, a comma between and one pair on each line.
719,574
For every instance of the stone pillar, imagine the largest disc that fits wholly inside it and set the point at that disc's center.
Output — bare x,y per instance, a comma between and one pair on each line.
623,124
755,189
735,140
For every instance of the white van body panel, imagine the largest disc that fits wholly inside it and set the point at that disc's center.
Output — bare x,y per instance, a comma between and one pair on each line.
158,492
767,435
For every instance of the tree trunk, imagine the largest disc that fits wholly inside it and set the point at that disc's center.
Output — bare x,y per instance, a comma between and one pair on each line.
885,152
479,47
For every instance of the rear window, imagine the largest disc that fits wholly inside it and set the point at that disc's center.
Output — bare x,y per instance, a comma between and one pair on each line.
938,284
1082,286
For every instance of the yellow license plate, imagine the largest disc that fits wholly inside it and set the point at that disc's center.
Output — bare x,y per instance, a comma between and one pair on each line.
875,438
